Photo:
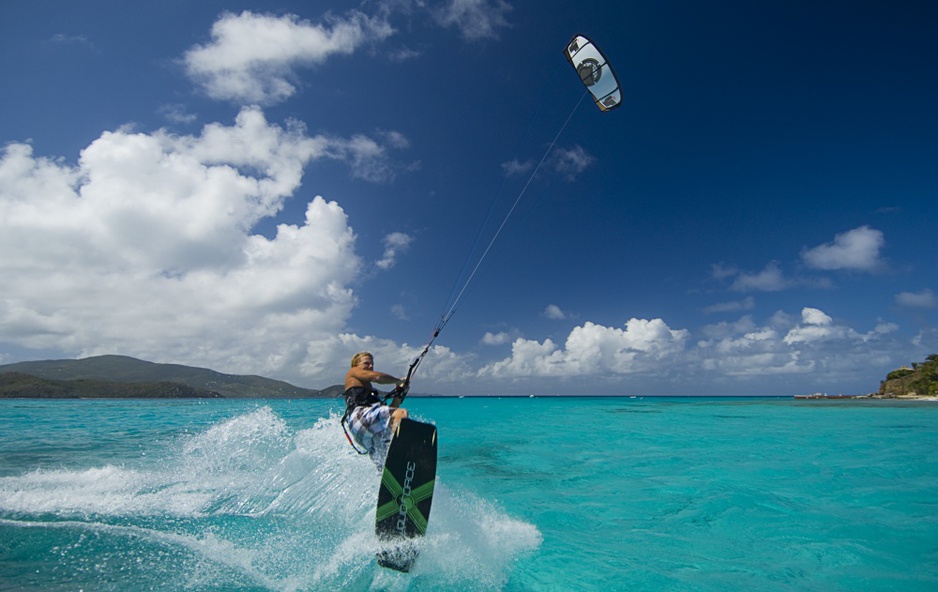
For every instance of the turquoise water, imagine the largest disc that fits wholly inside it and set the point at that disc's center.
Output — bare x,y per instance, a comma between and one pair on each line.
532,495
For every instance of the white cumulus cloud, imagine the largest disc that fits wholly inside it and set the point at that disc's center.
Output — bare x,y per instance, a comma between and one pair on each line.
817,326
921,299
145,247
770,279
570,162
593,349
857,249
499,338
252,57
515,167
394,244
475,19
814,344
554,312
747,303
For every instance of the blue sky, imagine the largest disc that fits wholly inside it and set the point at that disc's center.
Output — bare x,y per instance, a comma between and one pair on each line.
269,187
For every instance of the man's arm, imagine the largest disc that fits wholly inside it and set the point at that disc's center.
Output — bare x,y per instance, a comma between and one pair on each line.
372,376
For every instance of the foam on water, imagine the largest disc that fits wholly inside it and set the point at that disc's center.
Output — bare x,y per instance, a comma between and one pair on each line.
532,495
249,504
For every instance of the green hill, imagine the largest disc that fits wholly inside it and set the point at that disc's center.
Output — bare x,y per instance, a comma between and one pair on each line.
23,386
921,380
127,370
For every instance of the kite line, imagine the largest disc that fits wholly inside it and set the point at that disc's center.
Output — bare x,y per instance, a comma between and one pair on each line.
597,75
448,313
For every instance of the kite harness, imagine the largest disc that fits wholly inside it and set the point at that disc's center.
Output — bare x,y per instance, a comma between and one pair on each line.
360,396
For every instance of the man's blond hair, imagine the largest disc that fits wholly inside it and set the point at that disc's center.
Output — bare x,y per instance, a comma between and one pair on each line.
357,358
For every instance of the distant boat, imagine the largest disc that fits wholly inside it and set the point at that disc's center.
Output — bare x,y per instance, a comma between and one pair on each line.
826,396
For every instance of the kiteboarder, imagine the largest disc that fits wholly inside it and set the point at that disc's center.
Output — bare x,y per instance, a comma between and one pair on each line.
369,420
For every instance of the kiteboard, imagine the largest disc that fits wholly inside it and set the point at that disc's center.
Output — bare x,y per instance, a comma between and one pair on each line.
406,494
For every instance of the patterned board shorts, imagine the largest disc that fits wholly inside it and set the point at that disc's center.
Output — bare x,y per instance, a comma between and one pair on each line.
369,426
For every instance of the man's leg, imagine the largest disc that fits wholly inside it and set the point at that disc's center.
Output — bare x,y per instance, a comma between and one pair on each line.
396,416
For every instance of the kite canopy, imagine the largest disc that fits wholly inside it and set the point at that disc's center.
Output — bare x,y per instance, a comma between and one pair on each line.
595,72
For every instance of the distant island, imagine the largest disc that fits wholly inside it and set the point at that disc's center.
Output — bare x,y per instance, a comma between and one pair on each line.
15,385
114,376
124,377
920,382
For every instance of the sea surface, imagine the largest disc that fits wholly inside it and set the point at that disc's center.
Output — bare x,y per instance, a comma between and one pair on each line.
533,494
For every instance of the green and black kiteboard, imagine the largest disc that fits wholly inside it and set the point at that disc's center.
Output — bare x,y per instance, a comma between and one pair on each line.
406,494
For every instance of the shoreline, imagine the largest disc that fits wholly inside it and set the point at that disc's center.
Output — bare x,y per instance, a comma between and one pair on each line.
872,397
